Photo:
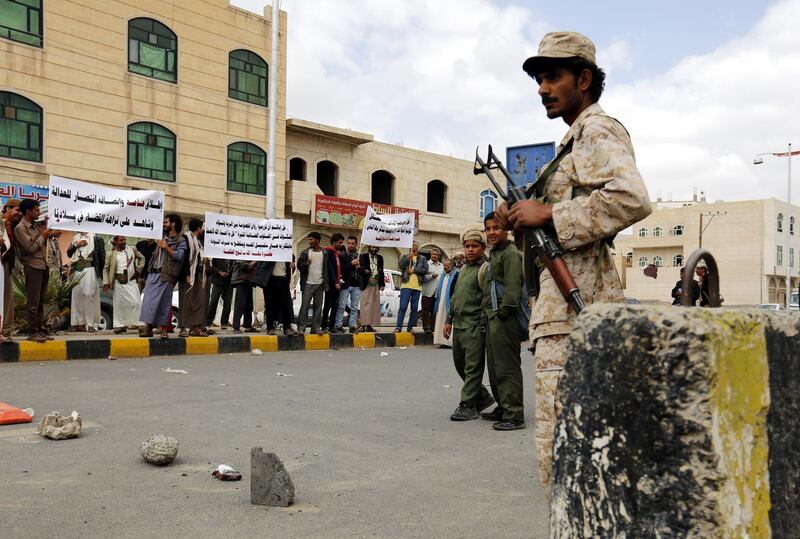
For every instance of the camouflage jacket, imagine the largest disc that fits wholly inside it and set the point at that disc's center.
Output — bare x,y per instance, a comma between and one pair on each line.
597,191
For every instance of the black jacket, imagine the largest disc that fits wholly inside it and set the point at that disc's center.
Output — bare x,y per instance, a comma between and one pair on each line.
350,274
219,265
676,293
364,270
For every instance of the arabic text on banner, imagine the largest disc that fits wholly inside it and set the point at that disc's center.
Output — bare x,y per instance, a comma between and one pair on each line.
388,230
88,207
248,238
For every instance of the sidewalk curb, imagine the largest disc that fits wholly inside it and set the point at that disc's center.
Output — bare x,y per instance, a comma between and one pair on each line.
24,351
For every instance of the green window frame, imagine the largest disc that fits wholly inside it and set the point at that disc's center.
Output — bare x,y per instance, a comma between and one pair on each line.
247,168
21,21
20,128
151,152
247,77
152,50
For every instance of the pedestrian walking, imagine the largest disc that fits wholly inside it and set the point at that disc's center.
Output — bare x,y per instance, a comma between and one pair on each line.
413,269
591,191
429,288
350,292
373,282
31,236
122,266
467,326
312,265
163,273
444,293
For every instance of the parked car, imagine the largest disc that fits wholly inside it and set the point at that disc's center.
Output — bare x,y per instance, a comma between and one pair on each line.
107,309
771,307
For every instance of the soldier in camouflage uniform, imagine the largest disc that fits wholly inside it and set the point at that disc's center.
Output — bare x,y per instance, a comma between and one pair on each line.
591,191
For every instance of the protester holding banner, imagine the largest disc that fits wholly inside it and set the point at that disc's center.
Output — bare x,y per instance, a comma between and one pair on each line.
86,294
31,241
165,266
192,285
120,270
372,284
413,269
8,250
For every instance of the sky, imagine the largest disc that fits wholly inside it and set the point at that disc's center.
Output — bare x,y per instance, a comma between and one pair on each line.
702,86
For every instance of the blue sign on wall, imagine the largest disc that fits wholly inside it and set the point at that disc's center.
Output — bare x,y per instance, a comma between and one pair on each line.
525,162
40,193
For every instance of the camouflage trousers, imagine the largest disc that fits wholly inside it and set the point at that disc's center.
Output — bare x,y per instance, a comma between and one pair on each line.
550,357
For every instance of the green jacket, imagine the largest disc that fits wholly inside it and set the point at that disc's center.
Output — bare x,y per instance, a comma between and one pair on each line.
505,265
466,303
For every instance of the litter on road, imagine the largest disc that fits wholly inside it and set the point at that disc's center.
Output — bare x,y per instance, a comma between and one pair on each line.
175,371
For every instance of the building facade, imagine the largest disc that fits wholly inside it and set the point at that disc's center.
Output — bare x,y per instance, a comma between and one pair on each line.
151,94
747,239
172,96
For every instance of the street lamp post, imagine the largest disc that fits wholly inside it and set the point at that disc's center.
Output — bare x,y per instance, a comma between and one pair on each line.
757,161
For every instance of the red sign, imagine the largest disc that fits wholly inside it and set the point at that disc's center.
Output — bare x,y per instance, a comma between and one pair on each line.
347,213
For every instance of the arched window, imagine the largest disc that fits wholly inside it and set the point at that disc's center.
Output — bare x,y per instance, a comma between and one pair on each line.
658,261
791,225
328,177
297,169
247,77
677,260
437,197
629,259
21,20
780,222
657,232
382,187
642,262
151,152
20,128
677,230
642,232
152,50
488,202
247,168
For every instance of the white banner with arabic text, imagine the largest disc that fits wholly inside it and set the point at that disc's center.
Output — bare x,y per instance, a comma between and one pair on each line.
88,207
248,238
388,229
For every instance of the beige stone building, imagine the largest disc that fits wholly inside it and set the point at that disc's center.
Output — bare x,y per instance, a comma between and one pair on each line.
747,239
172,95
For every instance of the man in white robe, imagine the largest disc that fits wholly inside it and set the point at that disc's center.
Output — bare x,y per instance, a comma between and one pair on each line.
86,295
122,266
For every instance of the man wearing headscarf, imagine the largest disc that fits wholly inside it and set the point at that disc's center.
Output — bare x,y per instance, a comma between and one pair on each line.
86,294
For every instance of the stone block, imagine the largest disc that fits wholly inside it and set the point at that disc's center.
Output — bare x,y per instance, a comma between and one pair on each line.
60,427
270,483
159,449
679,422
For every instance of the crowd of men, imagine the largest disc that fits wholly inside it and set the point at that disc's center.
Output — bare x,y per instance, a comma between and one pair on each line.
340,288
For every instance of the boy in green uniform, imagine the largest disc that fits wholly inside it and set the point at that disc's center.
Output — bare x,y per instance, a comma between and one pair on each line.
464,320
502,291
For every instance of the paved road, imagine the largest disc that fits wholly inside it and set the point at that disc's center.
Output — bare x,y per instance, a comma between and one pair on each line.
366,439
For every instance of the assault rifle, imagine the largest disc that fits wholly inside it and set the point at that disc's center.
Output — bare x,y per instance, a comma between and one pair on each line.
541,241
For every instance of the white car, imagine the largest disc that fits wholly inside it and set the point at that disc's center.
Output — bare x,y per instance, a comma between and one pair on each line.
770,307
390,299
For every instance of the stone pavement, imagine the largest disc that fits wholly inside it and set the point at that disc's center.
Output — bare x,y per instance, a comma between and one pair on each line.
365,437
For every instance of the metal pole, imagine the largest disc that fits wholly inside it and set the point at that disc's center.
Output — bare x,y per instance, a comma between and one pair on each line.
788,230
275,23
700,235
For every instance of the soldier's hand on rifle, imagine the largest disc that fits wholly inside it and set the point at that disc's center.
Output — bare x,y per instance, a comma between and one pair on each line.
530,214
501,216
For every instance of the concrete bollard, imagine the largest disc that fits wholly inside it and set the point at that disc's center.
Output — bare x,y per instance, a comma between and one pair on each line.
679,422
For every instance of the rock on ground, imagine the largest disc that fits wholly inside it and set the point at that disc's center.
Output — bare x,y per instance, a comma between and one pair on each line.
60,427
270,483
159,449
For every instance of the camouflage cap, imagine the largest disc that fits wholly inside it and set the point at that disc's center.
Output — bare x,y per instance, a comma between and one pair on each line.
474,234
557,45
